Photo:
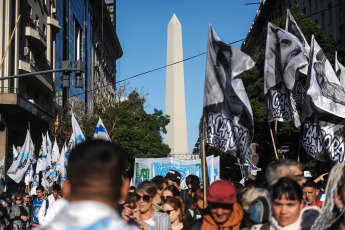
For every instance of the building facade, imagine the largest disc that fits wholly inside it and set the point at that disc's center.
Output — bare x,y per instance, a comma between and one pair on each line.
329,14
87,34
26,103
106,50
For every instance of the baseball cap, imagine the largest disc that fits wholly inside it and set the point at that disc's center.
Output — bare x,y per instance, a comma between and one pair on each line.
221,191
174,176
307,174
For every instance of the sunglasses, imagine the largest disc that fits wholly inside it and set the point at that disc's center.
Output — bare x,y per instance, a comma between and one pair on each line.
19,199
165,197
168,211
146,198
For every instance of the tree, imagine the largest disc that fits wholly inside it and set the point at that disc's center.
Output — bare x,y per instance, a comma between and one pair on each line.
127,123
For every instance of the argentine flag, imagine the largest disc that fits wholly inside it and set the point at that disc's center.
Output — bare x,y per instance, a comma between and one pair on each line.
79,136
100,131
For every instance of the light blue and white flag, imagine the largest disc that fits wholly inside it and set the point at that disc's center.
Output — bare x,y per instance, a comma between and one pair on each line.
23,161
79,136
100,131
49,150
61,167
29,175
42,156
35,184
55,153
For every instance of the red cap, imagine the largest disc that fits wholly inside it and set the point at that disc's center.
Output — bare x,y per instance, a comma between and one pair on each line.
221,191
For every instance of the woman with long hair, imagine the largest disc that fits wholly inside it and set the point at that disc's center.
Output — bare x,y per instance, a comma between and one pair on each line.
20,214
174,207
170,191
333,208
196,210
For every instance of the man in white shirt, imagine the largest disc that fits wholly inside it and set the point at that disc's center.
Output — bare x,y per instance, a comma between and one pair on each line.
93,188
49,201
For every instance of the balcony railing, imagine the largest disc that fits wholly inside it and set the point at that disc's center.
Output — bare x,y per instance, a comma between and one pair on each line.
32,25
36,67
8,90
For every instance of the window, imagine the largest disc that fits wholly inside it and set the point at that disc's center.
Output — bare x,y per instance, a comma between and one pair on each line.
78,41
30,11
44,30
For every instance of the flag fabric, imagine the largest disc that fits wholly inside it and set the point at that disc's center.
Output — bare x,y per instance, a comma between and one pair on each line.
284,55
61,167
323,110
49,149
55,152
29,175
100,131
15,153
42,156
227,112
79,136
35,183
340,71
292,27
23,161
298,91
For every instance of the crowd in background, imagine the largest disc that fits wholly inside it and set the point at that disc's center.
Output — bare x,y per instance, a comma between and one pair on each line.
96,196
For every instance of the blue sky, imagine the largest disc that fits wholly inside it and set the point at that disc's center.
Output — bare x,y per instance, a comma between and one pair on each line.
142,31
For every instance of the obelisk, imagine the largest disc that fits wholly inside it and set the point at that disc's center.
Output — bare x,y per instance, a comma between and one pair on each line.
175,105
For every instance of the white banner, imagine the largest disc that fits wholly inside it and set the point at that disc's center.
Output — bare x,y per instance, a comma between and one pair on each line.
147,168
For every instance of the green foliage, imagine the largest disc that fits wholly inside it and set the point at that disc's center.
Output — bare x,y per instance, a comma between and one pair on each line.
128,125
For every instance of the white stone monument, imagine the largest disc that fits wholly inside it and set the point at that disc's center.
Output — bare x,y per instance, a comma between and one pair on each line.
175,105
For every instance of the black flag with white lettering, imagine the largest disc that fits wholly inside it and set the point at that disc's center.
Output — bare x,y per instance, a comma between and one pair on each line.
323,110
227,112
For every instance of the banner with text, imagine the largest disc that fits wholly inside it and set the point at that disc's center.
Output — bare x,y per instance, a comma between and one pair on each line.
147,168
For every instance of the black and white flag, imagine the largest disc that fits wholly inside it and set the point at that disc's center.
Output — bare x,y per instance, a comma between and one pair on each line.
323,110
284,56
227,111
298,90
340,71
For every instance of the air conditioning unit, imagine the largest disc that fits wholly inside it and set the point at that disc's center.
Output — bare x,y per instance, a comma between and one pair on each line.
26,51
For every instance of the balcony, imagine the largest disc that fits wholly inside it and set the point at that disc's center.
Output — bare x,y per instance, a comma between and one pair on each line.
52,20
26,65
35,35
14,102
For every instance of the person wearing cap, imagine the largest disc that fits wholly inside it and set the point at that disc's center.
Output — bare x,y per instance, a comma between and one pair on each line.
174,178
223,211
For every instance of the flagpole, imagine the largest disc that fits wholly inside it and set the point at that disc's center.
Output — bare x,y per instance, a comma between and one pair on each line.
204,171
274,145
275,130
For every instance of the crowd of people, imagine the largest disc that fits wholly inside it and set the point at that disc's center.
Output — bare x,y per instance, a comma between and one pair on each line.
96,196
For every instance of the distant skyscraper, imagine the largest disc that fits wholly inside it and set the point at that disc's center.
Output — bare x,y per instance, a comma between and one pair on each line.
175,105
